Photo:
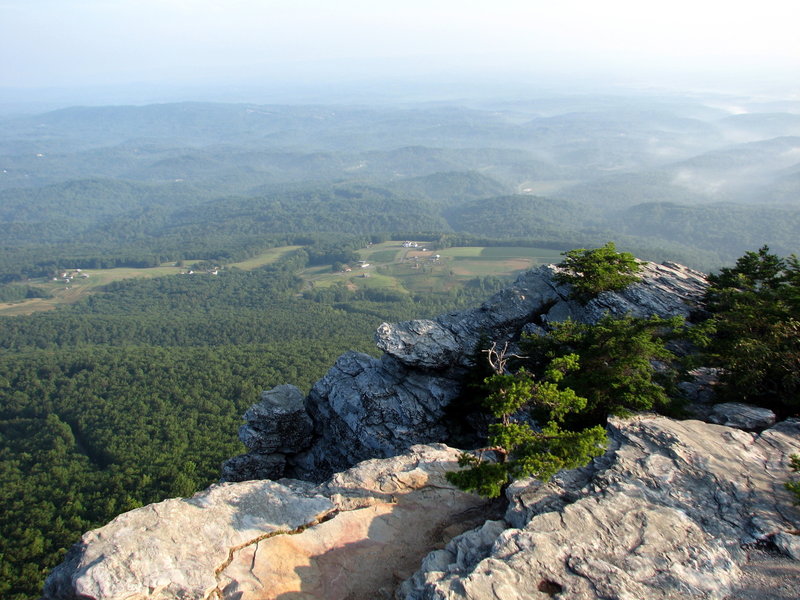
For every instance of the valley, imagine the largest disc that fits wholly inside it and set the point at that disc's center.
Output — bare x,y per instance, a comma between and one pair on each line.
126,384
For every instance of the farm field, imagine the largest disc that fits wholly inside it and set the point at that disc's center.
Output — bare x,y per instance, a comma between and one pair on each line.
263,259
390,266
68,293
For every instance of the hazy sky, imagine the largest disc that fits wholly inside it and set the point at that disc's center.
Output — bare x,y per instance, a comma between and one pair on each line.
90,42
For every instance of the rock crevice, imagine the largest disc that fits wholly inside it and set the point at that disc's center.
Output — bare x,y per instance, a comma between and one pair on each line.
367,407
673,510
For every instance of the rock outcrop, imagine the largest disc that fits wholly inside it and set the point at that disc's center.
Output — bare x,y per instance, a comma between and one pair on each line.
366,407
276,426
664,290
355,536
673,511
742,416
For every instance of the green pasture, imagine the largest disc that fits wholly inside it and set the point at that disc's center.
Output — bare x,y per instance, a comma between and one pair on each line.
543,255
265,258
68,293
392,266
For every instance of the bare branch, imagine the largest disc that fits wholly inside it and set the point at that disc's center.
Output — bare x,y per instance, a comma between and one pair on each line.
498,358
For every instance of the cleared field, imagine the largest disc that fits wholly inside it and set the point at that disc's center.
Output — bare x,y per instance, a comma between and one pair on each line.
495,267
542,254
383,256
391,267
268,257
462,252
413,270
69,293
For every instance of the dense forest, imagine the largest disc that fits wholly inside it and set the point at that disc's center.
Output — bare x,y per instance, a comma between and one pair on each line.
134,392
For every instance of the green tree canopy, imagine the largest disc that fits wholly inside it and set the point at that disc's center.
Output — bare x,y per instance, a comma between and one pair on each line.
522,449
755,330
616,372
590,272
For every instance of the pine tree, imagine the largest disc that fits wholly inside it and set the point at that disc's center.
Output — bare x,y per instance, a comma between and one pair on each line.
590,272
755,330
521,449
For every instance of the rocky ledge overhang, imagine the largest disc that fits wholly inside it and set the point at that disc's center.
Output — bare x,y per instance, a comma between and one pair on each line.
673,510
367,407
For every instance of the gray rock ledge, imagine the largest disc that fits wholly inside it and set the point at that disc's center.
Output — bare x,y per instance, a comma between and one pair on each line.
672,512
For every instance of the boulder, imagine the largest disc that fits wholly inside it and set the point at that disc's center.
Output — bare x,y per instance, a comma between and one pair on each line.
174,549
279,423
246,467
665,290
673,511
451,340
366,407
742,416
276,426
371,408
352,537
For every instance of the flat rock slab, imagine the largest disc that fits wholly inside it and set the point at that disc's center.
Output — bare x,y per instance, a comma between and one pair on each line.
355,536
674,511
173,549
742,416
360,555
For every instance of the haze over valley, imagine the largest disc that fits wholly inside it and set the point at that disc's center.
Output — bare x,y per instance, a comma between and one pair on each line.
201,201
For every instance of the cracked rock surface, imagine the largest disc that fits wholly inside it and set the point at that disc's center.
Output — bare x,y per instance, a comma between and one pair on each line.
354,536
675,510
366,407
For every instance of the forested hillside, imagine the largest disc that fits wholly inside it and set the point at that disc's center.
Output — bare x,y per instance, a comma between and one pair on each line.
132,391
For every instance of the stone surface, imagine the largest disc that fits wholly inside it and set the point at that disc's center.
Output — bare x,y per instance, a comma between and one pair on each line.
699,390
664,290
742,416
670,512
352,537
788,543
366,407
174,549
279,423
276,426
246,467
451,340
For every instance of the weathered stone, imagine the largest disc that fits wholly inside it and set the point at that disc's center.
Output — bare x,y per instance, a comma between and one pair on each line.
276,426
700,388
246,467
665,290
174,549
788,543
279,423
365,408
451,340
742,416
672,510
352,537
668,513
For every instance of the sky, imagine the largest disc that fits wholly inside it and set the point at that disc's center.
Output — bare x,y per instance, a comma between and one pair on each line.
85,43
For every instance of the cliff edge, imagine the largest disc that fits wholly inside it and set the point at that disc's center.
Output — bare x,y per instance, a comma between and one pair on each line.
673,509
